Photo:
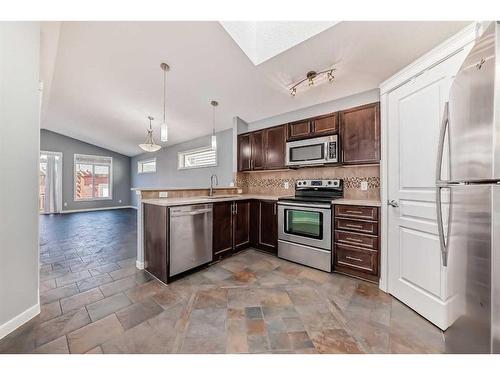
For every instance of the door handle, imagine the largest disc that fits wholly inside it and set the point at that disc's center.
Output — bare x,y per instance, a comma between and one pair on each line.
393,203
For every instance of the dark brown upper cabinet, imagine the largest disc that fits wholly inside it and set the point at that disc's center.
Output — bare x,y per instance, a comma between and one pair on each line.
313,127
262,149
258,160
326,125
244,153
275,142
360,134
299,130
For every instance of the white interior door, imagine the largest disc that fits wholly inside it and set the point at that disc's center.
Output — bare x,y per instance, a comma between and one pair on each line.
416,275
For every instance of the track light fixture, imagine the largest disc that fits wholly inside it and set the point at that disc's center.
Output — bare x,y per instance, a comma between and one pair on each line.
311,76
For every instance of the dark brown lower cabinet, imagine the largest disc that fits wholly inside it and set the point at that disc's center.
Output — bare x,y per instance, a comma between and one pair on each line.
156,240
357,241
241,225
231,228
264,225
222,239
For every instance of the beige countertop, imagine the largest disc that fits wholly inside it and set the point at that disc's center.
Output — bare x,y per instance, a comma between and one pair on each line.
222,198
357,202
201,200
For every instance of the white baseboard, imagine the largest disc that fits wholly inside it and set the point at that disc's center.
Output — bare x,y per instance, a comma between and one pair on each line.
19,320
97,209
139,265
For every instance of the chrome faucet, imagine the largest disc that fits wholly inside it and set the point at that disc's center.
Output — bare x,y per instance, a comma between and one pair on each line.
212,178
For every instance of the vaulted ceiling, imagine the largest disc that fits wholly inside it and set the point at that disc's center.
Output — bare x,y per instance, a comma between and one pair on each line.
101,79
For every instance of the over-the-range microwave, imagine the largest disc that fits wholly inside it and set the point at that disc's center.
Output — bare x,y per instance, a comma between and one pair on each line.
320,150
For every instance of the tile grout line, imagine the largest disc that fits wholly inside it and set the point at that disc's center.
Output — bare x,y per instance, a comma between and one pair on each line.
184,323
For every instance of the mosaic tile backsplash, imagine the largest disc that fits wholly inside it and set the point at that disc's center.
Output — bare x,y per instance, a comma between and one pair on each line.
273,182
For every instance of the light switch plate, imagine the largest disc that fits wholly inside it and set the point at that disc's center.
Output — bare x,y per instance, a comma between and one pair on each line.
364,185
163,194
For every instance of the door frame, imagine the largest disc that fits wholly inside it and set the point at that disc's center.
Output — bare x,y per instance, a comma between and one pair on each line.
60,154
463,39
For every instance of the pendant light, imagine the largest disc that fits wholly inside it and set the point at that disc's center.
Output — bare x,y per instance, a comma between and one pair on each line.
214,104
164,126
149,145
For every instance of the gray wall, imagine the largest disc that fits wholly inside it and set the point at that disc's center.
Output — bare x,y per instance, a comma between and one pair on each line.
361,98
168,176
50,141
19,155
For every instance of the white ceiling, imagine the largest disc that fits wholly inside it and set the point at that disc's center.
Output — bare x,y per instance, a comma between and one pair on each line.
105,78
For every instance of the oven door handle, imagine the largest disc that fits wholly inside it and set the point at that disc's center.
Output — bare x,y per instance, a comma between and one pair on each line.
309,205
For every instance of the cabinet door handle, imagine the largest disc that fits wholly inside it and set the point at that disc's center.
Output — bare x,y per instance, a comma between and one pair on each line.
354,226
353,239
274,208
354,212
352,258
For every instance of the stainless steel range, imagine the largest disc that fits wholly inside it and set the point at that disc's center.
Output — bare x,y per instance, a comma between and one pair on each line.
305,223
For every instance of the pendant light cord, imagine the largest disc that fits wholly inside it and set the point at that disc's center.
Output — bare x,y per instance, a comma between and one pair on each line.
164,96
213,118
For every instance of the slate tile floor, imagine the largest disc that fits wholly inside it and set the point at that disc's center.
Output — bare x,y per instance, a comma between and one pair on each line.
95,301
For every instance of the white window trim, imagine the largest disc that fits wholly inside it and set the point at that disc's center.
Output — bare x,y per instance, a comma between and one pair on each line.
197,150
75,199
139,162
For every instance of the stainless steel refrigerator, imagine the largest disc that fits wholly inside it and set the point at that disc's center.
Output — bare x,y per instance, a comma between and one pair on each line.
468,199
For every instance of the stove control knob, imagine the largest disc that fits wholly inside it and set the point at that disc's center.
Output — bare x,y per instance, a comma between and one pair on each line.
329,182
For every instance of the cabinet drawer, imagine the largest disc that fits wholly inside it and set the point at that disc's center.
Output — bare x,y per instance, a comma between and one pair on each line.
357,239
358,212
369,227
356,258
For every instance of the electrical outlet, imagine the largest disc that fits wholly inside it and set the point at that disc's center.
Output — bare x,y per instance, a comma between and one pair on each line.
231,184
65,204
240,191
286,184
364,185
119,201
163,194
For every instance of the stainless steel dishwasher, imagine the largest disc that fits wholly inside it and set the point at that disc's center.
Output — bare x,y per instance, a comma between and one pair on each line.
190,237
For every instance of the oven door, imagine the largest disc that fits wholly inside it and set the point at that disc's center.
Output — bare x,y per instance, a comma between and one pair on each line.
305,224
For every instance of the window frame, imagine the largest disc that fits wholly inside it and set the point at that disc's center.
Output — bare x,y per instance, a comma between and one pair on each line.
194,150
144,161
110,165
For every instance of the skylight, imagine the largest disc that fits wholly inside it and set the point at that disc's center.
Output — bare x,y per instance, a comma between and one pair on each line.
262,40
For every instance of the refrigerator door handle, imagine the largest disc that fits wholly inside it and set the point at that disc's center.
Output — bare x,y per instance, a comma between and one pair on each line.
443,237
442,136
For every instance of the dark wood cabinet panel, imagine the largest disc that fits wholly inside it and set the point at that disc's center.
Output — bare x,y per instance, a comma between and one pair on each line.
326,125
356,258
254,222
368,227
357,212
156,240
244,152
360,134
258,156
299,130
241,225
222,241
275,143
357,241
268,226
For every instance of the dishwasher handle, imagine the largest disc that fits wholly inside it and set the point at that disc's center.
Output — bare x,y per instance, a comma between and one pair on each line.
190,213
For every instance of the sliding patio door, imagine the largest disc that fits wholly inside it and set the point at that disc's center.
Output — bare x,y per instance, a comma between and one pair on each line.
50,189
